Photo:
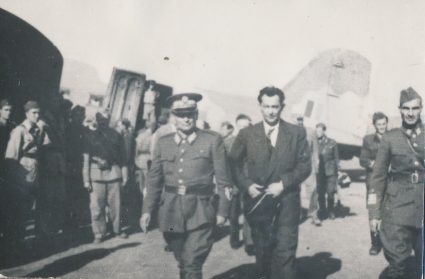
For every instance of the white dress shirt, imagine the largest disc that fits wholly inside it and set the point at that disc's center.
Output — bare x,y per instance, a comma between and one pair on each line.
274,133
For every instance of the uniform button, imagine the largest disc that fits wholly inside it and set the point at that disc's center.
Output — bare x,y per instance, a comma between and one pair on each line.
415,144
181,160
414,136
180,170
180,181
182,151
184,141
416,163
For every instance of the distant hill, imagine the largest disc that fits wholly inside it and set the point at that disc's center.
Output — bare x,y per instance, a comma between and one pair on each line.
82,79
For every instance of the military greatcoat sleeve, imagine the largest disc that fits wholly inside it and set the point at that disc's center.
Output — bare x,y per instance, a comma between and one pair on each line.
221,172
155,182
366,157
237,157
378,182
302,168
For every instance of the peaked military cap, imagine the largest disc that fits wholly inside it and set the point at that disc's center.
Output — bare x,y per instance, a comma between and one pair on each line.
408,95
184,102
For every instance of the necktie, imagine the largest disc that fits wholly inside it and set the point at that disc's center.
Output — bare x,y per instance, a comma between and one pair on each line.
269,142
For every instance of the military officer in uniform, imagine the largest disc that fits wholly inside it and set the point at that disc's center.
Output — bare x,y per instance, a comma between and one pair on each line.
180,182
328,171
367,160
396,198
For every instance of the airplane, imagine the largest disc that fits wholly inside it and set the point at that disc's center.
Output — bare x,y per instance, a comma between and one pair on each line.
332,88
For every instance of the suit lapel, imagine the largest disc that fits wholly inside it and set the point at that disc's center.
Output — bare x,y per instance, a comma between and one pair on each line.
282,143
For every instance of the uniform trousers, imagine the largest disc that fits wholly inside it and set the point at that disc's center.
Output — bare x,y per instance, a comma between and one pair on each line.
105,194
399,242
310,186
191,249
326,185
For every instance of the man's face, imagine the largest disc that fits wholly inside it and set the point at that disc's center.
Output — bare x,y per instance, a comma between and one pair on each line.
320,132
186,122
271,108
33,115
243,123
224,131
5,112
381,126
411,111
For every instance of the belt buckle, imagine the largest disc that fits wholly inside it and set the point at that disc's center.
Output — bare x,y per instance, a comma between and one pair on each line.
181,190
414,178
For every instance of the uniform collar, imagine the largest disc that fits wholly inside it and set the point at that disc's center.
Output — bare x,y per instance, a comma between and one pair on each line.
190,138
323,139
377,138
27,124
417,129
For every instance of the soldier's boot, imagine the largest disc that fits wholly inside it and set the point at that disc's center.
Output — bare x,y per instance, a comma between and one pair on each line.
315,219
376,244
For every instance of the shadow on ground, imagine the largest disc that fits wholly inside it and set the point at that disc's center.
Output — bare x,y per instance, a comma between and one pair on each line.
75,262
319,266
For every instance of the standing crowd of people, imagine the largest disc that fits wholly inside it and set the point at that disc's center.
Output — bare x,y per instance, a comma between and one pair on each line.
191,180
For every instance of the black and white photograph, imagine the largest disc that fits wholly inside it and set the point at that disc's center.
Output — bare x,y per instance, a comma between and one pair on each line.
215,139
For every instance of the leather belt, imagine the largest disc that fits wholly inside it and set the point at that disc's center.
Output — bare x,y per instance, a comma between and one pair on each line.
414,178
201,190
30,155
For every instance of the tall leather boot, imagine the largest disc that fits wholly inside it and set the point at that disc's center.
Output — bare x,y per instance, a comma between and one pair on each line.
331,207
376,244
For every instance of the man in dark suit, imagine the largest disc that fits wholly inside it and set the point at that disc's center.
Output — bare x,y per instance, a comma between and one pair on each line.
180,183
396,196
328,171
367,160
277,160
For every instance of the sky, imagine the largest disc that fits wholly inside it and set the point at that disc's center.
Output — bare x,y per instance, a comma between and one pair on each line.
236,46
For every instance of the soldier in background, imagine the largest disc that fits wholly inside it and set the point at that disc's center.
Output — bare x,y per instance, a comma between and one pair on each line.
180,182
22,159
310,184
236,209
104,173
396,195
367,160
328,171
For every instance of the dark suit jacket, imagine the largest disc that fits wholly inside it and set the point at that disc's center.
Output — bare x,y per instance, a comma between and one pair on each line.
290,161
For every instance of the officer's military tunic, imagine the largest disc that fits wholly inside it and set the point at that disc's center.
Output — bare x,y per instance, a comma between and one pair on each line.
181,182
368,155
396,195
328,171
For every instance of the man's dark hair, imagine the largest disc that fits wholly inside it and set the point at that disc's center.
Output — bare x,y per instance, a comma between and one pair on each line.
243,116
321,125
377,116
271,91
5,102
228,125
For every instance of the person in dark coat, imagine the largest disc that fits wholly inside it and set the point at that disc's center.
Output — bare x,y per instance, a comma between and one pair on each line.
328,172
396,195
367,160
180,183
276,156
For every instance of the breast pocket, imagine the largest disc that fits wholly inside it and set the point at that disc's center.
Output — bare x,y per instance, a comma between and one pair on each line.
400,157
168,163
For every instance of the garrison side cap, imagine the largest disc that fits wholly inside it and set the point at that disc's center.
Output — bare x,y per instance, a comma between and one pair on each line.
408,95
184,102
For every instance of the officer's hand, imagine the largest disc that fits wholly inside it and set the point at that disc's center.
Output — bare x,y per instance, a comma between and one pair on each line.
228,192
375,225
88,186
144,222
220,220
275,189
253,190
